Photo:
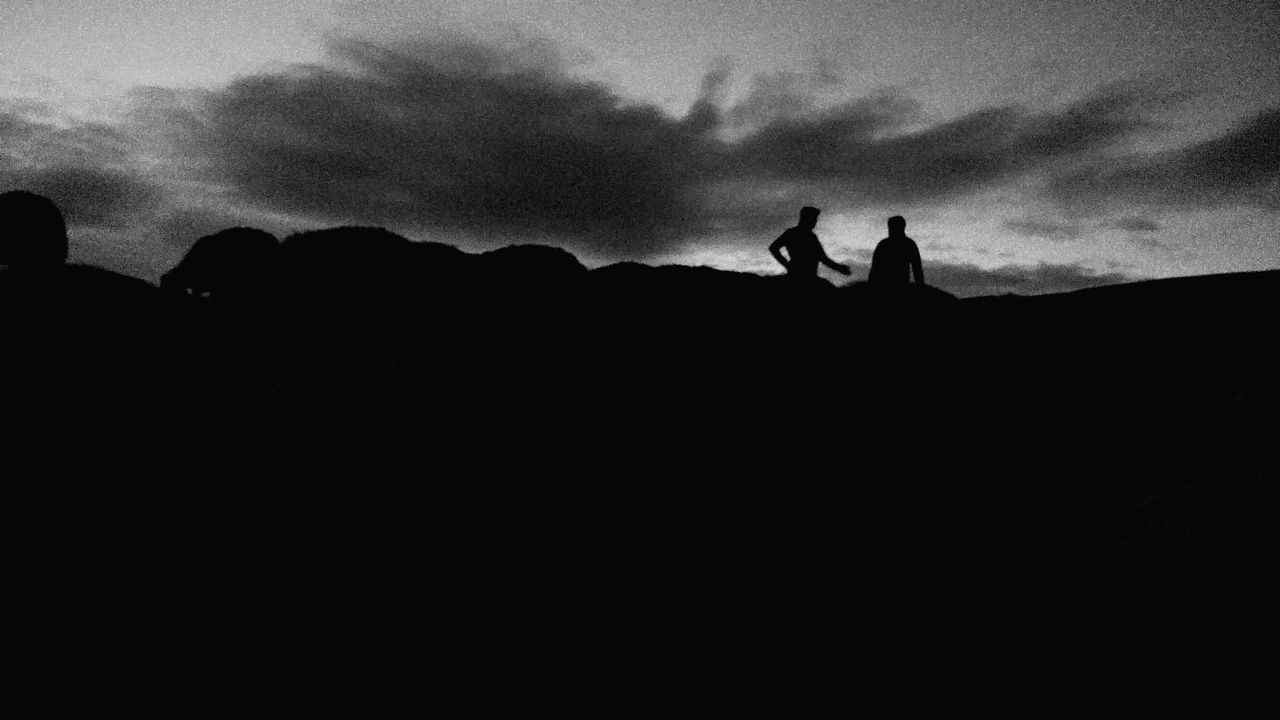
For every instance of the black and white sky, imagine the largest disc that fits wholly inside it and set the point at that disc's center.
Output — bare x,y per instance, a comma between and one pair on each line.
1032,145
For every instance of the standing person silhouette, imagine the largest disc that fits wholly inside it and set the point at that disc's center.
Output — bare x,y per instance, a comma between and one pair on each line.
896,258
804,252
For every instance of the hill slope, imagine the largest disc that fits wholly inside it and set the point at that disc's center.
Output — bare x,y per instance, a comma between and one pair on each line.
520,424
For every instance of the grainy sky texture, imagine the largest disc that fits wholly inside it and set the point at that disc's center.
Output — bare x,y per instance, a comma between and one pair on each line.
1032,146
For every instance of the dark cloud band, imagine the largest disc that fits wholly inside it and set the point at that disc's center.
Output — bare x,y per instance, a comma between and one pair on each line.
1239,168
460,135
504,142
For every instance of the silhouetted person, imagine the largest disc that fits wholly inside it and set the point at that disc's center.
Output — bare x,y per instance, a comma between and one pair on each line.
896,258
33,235
804,252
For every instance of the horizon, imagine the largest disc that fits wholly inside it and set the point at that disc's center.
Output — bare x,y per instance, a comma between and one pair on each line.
1039,146
963,282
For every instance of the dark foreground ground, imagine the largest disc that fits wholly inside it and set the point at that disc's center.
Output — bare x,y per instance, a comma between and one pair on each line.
533,459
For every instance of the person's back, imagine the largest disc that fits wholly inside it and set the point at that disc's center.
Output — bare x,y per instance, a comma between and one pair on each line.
896,258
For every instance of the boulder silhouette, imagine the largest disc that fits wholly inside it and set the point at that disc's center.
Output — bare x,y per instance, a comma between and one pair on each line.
339,251
227,261
348,271
80,341
33,234
528,301
522,284
532,264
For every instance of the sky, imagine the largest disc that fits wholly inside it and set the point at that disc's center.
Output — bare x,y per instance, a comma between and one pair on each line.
1033,146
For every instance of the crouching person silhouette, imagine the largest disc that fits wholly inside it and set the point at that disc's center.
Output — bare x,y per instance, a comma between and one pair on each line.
804,252
896,258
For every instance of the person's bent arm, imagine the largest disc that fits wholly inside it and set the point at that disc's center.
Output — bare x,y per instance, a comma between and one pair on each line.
776,250
838,267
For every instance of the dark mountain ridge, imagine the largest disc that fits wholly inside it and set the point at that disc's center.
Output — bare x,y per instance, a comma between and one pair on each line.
670,429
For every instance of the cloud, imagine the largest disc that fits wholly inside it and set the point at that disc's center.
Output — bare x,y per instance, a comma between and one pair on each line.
503,141
474,137
863,151
1241,168
14,128
89,195
1044,228
454,134
1136,224
117,207
88,169
1140,231
180,227
784,95
705,114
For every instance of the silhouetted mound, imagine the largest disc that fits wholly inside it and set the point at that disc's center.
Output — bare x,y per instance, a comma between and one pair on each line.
541,264
228,261
341,293
342,260
33,235
332,247
527,287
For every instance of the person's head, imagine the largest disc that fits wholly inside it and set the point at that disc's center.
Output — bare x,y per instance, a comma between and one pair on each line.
809,216
897,225
33,234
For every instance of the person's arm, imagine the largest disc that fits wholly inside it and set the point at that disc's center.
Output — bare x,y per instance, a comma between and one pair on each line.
917,268
838,267
776,250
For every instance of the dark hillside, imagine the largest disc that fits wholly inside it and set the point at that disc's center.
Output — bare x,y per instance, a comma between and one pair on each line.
385,423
